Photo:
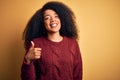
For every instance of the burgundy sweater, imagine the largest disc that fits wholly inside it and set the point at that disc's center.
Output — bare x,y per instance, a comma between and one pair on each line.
59,61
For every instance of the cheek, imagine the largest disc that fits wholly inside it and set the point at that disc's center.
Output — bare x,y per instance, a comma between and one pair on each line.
46,24
60,23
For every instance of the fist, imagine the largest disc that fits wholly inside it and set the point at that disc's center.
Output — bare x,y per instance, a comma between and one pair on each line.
33,53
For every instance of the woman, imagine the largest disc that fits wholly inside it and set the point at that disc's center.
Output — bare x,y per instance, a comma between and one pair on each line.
52,52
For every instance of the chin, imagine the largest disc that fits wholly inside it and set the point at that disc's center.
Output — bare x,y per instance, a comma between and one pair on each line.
53,31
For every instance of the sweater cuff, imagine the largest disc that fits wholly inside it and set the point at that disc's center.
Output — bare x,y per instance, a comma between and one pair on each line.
25,63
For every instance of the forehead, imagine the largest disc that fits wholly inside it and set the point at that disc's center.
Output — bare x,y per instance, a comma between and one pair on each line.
49,11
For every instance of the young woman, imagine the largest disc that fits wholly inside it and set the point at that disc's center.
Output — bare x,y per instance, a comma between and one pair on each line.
52,52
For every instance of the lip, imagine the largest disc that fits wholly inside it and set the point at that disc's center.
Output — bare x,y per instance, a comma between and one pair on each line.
53,24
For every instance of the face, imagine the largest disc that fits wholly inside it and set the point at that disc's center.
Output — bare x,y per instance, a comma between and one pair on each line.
52,21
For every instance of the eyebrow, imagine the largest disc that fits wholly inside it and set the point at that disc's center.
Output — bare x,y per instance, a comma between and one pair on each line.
46,15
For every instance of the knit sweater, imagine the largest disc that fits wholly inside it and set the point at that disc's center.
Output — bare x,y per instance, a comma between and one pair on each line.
58,61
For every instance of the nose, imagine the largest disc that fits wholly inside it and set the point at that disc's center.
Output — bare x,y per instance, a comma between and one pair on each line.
52,19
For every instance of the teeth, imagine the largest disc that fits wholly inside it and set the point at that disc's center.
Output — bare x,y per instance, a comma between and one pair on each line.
54,25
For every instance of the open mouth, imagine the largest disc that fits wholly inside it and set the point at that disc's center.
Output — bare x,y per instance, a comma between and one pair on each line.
53,24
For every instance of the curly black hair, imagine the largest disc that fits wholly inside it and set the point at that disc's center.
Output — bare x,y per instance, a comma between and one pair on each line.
35,27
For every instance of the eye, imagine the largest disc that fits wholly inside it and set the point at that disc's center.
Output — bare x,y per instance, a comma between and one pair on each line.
46,17
56,16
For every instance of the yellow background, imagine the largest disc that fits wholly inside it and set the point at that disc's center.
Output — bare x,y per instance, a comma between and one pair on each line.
99,26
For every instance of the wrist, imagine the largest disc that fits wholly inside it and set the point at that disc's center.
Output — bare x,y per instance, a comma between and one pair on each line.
27,60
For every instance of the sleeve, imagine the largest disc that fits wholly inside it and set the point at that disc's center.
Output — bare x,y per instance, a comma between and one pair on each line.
77,69
28,71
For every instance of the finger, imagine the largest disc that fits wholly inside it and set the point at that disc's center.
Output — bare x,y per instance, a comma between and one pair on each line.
38,49
37,53
32,44
37,57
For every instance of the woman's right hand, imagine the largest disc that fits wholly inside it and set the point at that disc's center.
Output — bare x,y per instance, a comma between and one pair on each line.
33,53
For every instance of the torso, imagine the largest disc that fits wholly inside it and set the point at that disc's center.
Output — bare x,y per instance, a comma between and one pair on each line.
56,62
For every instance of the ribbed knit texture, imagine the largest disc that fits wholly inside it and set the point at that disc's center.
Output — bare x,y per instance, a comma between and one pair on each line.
59,61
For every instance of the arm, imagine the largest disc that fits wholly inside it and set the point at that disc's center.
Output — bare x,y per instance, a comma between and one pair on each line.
77,69
28,71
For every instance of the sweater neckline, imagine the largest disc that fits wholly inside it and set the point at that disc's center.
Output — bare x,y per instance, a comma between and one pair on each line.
53,42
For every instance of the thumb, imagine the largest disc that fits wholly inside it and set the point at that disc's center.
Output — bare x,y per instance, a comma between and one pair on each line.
32,44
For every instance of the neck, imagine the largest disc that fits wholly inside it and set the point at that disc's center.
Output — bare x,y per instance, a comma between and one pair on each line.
56,37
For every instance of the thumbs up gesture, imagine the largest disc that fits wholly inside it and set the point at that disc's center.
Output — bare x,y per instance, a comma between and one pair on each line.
33,53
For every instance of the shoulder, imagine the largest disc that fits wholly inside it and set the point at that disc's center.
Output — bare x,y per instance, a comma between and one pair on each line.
72,43
71,40
38,41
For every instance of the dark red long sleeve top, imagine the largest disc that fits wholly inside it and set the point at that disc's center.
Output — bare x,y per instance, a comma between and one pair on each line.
59,61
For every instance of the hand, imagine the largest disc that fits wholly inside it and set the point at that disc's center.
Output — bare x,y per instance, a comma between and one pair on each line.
33,53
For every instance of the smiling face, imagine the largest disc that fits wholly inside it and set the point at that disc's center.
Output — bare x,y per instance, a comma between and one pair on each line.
52,21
